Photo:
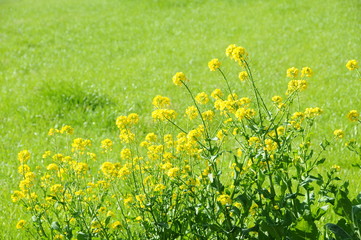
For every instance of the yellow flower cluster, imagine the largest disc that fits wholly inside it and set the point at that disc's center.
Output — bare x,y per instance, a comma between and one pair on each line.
339,133
270,145
296,85
353,116
217,94
313,112
107,145
233,104
191,112
23,156
306,72
237,53
80,144
202,98
352,65
243,76
292,72
214,64
179,78
64,130
164,114
161,102
224,199
124,124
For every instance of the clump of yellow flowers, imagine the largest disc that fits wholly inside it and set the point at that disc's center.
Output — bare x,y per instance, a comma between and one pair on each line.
212,172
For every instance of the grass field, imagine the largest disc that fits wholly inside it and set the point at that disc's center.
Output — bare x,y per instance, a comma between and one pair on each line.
83,63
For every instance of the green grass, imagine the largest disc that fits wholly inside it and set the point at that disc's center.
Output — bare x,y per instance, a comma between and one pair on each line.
83,63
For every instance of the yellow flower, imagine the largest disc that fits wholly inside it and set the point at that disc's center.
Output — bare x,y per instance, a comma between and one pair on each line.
292,72
59,237
239,152
202,98
313,112
107,144
128,200
281,130
126,136
72,220
230,49
80,144
220,134
208,115
173,172
276,99
339,133
95,224
23,169
179,78
270,145
20,224
164,114
306,72
52,167
92,156
67,129
352,65
161,102
46,154
56,188
23,156
296,85
159,187
80,167
126,154
239,53
17,196
224,199
116,225
121,122
124,171
253,141
237,205
52,131
243,76
245,113
217,94
353,116
337,168
110,214
191,112
133,118
214,64
151,137
107,168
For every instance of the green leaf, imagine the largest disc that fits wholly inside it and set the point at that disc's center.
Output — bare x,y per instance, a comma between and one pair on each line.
82,236
322,160
308,180
339,233
343,205
321,211
55,226
273,230
107,220
305,229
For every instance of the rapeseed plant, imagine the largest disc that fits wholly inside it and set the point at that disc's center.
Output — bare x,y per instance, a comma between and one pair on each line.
229,167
